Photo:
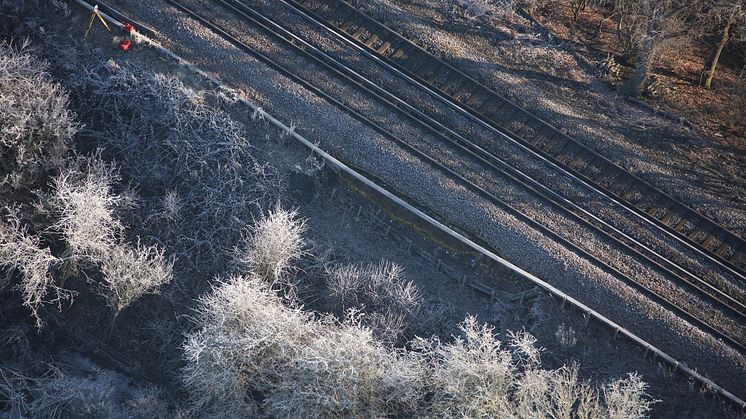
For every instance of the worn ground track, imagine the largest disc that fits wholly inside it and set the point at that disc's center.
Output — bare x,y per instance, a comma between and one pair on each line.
697,231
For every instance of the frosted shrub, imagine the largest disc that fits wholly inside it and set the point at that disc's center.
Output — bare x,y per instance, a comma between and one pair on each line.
63,395
245,338
84,205
248,342
192,163
36,126
474,376
272,244
75,388
566,336
380,285
131,271
148,403
380,291
344,283
345,372
626,398
386,286
21,252
215,377
305,367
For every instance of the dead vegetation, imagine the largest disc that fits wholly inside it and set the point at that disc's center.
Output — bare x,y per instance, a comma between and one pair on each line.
250,342
199,184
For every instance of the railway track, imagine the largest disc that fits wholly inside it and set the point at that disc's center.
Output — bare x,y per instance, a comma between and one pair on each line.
704,289
676,365
484,105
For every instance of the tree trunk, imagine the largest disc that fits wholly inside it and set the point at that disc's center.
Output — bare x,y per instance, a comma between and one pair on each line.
712,60
645,56
577,6
636,84
620,26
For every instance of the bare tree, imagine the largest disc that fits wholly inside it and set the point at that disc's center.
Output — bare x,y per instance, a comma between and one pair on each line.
724,15
577,6
658,24
625,12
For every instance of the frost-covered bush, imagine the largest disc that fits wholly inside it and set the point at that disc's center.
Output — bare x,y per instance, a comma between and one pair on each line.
475,376
344,283
18,16
22,252
192,163
77,388
345,372
248,343
36,126
132,271
271,245
380,292
83,204
380,285
566,336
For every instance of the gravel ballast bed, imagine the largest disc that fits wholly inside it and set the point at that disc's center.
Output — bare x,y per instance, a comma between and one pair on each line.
357,144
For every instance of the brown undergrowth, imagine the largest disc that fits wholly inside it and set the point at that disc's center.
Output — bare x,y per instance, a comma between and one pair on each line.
719,113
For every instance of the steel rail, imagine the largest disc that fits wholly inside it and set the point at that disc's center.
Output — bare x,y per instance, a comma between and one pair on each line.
342,170
654,295
481,120
702,286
